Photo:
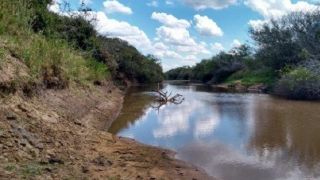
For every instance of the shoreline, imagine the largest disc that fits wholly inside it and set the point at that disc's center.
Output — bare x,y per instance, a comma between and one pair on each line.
59,134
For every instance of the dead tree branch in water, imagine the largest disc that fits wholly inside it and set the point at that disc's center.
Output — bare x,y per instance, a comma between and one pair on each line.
165,97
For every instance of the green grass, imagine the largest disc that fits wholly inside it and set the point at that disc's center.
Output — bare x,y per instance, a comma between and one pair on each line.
26,171
31,170
41,53
2,56
2,53
249,78
98,70
113,178
10,167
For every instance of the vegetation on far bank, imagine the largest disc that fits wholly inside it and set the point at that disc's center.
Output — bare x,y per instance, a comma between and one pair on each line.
59,50
285,56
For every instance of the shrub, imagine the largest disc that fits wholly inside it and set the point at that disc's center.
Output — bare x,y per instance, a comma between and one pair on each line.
249,77
302,82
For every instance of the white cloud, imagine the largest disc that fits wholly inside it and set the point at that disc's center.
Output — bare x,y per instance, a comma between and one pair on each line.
175,36
206,26
86,1
169,20
174,42
303,6
173,30
257,24
206,4
236,43
160,46
169,2
217,47
153,3
123,30
113,6
172,55
276,9
197,48
54,6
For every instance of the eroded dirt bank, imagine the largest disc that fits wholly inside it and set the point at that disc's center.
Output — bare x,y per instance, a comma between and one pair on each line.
55,135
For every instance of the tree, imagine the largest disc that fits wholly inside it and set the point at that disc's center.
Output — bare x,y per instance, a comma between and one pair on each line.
216,69
276,46
303,82
288,41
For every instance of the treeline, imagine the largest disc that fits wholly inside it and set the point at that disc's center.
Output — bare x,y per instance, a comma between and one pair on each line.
69,48
285,56
214,70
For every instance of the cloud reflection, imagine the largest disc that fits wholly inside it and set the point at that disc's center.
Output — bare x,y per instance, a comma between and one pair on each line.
207,123
173,120
222,161
234,136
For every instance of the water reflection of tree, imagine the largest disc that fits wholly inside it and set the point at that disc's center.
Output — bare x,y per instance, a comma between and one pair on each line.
289,127
134,107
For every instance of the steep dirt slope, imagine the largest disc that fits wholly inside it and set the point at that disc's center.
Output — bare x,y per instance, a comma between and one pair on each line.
54,134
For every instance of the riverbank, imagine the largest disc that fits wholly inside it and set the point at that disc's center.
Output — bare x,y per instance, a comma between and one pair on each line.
56,134
234,87
241,88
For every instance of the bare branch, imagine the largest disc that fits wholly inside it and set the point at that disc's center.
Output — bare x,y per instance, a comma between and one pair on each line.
165,97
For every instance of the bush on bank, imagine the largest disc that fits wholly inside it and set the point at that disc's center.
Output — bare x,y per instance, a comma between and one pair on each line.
303,82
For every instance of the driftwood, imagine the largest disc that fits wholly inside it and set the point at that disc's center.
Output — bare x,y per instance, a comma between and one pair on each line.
165,97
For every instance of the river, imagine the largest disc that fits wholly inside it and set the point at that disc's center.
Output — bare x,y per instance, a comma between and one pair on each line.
230,136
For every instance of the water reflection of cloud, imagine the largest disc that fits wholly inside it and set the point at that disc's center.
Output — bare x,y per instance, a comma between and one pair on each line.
222,161
173,120
259,137
128,135
206,123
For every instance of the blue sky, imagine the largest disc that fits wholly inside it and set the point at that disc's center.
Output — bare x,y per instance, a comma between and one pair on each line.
182,32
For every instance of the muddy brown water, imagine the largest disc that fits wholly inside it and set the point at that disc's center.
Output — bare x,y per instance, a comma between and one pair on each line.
230,136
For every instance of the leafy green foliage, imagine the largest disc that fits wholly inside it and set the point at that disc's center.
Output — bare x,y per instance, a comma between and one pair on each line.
302,82
181,73
49,59
249,77
277,48
288,41
68,48
125,61
214,70
290,47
